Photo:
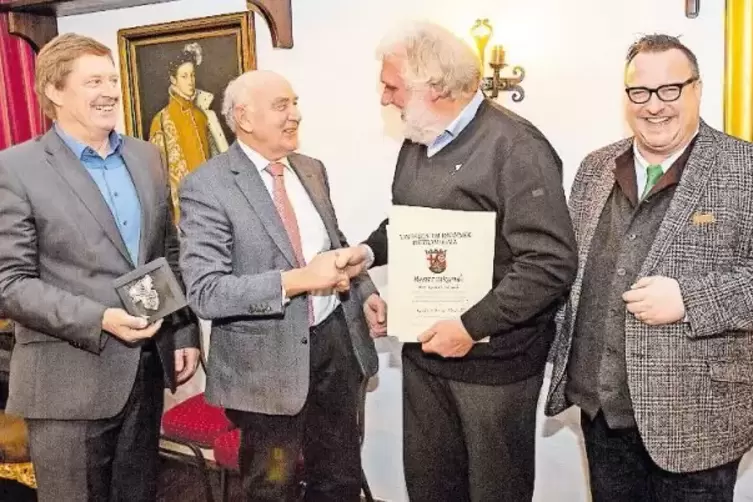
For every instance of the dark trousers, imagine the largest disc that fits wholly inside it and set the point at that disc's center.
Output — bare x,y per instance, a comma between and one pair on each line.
621,470
466,442
109,460
325,431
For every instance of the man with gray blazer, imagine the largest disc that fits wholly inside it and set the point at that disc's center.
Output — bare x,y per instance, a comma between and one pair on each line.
264,259
656,340
79,207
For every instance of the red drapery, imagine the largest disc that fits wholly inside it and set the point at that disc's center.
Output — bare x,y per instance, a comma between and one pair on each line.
21,117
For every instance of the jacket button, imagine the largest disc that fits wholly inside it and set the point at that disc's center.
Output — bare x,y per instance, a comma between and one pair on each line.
304,341
620,271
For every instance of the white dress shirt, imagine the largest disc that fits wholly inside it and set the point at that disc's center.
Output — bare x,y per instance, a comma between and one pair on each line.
641,164
314,238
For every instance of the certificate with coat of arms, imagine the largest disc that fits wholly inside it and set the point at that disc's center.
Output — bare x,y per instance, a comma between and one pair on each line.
441,263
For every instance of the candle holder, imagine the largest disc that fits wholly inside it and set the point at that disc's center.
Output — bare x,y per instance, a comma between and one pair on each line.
481,31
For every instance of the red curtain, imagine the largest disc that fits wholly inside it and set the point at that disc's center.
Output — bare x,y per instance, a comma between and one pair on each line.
21,118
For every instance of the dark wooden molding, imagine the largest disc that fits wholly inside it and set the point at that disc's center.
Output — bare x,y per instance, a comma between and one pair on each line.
71,7
36,20
279,17
37,30
692,7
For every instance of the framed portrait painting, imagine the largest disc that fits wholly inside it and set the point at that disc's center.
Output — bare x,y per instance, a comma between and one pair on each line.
173,77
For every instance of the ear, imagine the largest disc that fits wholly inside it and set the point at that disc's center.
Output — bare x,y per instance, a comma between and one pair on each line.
54,94
173,80
243,119
435,94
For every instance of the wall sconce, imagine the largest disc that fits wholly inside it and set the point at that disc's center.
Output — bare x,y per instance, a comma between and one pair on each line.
481,31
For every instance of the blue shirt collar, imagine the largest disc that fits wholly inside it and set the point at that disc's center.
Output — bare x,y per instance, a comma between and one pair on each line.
80,149
466,115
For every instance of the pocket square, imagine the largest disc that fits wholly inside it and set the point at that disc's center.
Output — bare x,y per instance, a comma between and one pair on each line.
703,218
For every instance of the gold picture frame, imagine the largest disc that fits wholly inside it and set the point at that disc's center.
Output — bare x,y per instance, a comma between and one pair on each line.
131,42
173,77
738,69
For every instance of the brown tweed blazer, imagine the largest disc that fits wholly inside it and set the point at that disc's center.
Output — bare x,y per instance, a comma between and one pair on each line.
691,383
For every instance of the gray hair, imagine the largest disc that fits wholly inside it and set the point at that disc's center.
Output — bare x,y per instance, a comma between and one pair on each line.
235,93
659,42
433,56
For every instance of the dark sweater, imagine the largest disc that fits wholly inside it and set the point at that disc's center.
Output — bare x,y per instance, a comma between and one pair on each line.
507,166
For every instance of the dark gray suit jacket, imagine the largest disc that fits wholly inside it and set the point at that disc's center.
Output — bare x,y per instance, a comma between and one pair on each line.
60,251
233,247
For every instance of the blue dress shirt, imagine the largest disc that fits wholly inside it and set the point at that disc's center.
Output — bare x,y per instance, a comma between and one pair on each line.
115,183
457,125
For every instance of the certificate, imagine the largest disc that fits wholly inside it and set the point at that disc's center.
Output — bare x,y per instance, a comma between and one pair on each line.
441,263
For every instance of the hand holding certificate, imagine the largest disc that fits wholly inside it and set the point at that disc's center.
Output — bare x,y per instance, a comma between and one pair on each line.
441,264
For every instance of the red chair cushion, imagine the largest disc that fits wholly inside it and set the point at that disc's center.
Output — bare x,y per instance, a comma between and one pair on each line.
195,421
226,448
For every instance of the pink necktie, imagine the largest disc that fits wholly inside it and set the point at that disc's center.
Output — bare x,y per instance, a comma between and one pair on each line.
289,221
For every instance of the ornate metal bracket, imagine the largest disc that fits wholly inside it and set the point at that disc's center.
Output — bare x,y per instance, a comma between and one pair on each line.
495,84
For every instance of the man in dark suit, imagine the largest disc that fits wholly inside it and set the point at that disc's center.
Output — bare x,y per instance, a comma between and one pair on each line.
469,408
262,255
79,207
656,340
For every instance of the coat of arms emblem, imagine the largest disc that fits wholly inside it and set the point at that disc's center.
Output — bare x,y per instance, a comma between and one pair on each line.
437,260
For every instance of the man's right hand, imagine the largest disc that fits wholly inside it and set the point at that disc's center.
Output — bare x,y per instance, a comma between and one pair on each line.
128,328
328,270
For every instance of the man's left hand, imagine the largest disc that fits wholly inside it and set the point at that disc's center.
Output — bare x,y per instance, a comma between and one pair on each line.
446,338
375,310
655,300
186,362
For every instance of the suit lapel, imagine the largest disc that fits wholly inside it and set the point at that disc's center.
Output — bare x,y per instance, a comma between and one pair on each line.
250,183
694,178
317,193
145,190
589,211
62,160
586,207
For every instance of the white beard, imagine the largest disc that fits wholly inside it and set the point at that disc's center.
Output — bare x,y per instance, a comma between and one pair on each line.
421,125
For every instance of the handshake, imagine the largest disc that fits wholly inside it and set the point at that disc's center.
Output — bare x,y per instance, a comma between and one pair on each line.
328,270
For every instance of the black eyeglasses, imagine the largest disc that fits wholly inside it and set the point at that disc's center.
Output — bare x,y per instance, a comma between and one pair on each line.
666,92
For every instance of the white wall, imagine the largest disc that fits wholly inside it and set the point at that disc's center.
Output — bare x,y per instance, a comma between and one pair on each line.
573,54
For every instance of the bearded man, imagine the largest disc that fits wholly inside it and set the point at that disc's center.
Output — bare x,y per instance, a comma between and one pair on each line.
469,408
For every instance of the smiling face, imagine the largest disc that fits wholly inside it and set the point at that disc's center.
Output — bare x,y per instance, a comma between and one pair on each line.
86,104
662,128
268,117
422,124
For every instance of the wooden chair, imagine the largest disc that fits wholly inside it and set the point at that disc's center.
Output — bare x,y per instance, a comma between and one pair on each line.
195,424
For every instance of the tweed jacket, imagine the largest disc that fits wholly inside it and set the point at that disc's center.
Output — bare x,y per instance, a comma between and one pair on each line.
691,383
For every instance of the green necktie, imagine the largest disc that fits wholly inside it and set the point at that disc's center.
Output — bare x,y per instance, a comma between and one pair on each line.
653,173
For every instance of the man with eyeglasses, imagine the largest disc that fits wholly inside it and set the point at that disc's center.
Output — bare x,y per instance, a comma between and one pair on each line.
655,342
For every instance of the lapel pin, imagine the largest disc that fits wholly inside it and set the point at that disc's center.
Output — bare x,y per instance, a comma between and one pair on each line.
703,218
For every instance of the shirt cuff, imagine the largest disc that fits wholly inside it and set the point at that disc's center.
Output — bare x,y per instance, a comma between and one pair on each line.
285,299
369,255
